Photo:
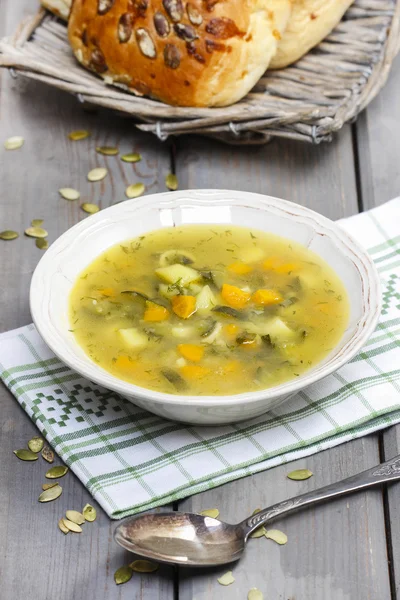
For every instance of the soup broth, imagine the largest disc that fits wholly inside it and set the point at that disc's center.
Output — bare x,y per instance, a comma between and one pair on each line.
206,310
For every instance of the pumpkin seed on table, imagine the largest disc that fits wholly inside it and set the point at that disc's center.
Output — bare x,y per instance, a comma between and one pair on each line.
79,134
171,181
107,150
8,235
123,575
36,232
51,494
226,579
255,594
14,142
300,474
132,157
61,525
56,472
47,486
89,208
24,454
277,536
211,512
135,190
75,517
72,526
89,512
36,444
69,193
144,566
36,222
97,174
42,244
48,454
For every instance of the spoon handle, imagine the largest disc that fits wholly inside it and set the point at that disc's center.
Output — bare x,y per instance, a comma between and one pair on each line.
383,473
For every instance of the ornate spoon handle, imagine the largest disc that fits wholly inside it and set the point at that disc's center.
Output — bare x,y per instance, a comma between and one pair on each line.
384,473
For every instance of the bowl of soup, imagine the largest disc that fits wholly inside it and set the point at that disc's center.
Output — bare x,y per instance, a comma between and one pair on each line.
205,306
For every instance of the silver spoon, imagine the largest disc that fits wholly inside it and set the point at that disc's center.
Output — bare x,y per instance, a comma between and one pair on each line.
194,540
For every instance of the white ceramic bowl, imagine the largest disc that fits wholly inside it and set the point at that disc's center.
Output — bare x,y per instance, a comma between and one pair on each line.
74,250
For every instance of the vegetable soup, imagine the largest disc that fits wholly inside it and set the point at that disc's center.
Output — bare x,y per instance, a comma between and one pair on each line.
206,310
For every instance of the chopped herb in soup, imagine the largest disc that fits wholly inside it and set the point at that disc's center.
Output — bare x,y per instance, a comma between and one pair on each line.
208,310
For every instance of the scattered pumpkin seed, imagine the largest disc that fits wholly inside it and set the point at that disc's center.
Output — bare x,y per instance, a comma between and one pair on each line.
24,454
47,486
48,454
35,444
42,244
72,526
89,512
144,566
226,579
56,472
51,494
8,234
36,232
90,208
61,525
211,512
37,222
171,181
135,190
300,474
123,575
69,193
107,150
97,174
79,134
132,157
75,517
277,536
14,142
255,594
261,530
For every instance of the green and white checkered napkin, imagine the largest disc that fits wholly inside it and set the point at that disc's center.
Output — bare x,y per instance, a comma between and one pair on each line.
132,460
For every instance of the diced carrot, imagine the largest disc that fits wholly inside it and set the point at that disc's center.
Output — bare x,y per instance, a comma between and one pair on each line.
234,296
191,352
266,297
275,264
107,292
240,268
183,306
231,330
232,366
124,362
154,312
194,371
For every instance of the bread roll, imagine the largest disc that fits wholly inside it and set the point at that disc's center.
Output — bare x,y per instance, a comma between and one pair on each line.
60,8
311,21
197,53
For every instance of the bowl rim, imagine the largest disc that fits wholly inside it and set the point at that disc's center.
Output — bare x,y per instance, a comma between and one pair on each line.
97,374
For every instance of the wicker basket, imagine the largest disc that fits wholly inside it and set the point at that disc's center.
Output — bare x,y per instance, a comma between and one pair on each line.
307,101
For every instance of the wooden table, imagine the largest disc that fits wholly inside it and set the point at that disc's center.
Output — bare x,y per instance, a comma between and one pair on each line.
347,550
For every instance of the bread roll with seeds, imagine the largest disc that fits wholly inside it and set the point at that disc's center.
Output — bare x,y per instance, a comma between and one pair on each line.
311,21
60,8
197,53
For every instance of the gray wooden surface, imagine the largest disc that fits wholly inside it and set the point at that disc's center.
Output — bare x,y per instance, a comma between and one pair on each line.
346,550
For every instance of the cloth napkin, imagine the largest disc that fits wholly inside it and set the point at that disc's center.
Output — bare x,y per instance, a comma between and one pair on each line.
131,460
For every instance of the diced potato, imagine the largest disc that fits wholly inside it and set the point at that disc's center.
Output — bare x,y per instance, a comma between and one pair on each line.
166,291
279,331
195,288
206,299
133,338
181,273
251,254
181,362
234,296
183,331
184,306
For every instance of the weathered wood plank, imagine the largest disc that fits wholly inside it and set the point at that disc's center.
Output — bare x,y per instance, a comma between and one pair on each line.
337,551
36,559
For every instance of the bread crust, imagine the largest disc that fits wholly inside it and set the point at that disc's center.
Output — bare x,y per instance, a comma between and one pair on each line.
60,8
197,53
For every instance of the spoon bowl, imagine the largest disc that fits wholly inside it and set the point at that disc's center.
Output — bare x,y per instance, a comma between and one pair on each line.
182,538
